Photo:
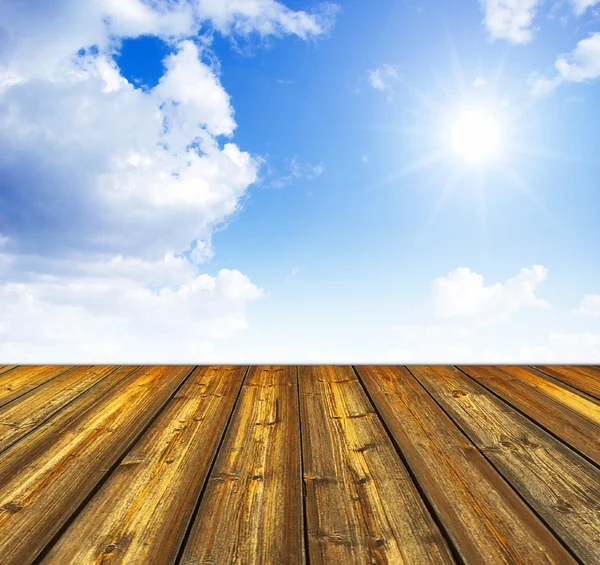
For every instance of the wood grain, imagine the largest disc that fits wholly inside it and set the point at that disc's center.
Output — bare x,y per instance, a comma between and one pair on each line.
158,483
585,379
560,485
256,481
5,368
567,414
362,505
17,382
50,472
484,517
21,416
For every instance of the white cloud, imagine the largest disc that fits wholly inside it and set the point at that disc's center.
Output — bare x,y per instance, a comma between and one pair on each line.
266,17
297,170
383,78
581,65
106,184
580,6
463,294
479,82
111,317
510,19
590,306
561,348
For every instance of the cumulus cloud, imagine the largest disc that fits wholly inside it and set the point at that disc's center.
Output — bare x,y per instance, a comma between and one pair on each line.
57,320
383,78
109,194
581,65
510,19
590,306
463,294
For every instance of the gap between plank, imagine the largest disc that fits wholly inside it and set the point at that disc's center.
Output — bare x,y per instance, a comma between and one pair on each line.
536,514
63,407
531,418
35,387
110,471
304,512
534,369
196,510
428,504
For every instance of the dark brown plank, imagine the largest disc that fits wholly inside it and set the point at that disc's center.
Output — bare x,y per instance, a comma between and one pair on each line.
18,381
141,513
362,505
21,416
571,416
50,472
560,485
251,511
583,378
484,517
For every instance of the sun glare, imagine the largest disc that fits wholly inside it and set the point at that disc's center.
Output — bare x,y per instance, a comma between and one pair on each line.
475,136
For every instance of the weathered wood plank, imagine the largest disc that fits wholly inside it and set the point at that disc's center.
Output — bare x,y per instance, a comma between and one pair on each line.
560,485
362,505
251,511
545,402
18,381
141,513
50,472
21,416
5,368
583,378
484,517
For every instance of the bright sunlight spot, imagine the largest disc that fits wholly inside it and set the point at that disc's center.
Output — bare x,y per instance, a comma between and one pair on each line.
475,136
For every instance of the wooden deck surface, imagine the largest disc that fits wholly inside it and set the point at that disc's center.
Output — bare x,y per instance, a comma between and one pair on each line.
319,465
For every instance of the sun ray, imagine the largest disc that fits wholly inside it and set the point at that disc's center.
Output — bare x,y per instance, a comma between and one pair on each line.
447,191
511,175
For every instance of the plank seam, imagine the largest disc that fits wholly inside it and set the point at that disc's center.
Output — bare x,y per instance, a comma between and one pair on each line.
426,501
500,474
551,378
196,510
532,419
37,386
40,557
304,510
52,416
11,369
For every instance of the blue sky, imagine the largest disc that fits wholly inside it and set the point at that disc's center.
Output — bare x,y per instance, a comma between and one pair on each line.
297,182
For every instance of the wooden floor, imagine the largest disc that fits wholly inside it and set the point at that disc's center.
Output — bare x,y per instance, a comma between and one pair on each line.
293,465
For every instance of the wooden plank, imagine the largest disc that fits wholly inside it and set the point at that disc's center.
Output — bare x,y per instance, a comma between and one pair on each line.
21,416
18,381
141,513
561,486
251,511
484,517
572,417
49,473
361,503
585,379
6,368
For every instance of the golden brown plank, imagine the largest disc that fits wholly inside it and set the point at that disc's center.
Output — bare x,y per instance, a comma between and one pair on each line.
50,472
559,484
573,417
251,511
583,378
141,513
21,416
18,381
6,368
362,506
484,517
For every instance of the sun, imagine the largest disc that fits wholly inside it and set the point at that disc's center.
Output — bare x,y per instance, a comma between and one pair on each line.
474,136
